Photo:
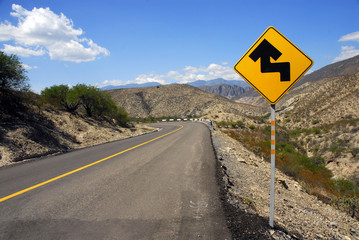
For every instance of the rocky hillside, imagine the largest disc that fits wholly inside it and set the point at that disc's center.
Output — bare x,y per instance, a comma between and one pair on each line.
177,100
339,69
246,187
324,118
229,91
37,132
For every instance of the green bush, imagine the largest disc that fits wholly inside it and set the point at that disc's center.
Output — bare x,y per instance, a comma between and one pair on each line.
350,205
61,96
96,103
233,124
316,131
344,187
354,151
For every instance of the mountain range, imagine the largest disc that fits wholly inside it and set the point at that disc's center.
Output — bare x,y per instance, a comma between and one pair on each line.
197,83
231,92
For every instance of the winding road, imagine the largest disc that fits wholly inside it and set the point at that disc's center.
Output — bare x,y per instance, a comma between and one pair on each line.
160,185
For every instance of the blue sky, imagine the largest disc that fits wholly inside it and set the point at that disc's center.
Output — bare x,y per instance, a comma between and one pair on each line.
138,41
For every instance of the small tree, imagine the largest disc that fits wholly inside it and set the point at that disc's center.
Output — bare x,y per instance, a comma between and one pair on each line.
88,96
12,74
95,102
13,80
61,96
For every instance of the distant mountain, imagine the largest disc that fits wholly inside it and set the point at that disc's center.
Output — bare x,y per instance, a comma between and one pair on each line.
133,85
178,100
194,84
232,92
240,83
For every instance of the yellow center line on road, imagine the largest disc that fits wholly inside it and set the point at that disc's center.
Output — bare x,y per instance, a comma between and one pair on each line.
82,168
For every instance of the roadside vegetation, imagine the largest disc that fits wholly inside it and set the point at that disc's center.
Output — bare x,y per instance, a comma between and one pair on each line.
86,99
14,87
291,159
16,97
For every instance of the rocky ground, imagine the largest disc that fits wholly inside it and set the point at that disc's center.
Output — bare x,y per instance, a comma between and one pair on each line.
245,180
39,133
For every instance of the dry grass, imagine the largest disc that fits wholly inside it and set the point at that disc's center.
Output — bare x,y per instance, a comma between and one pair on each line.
310,172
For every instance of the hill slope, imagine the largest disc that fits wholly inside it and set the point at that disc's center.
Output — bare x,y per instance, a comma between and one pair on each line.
339,69
176,100
35,132
324,118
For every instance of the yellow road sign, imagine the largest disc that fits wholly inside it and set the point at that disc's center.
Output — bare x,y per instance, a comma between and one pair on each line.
273,65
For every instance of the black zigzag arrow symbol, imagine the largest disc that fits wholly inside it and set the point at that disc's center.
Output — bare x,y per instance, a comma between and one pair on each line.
265,51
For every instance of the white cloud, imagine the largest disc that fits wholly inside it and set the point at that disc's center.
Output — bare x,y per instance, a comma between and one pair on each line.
346,52
41,31
22,52
188,74
149,77
27,67
354,36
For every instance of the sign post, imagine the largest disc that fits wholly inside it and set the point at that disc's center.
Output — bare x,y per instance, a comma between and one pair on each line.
280,66
272,161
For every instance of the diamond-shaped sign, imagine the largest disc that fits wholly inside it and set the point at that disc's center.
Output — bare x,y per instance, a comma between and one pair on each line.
273,65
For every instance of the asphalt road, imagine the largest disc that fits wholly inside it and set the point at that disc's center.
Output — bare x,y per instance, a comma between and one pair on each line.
163,189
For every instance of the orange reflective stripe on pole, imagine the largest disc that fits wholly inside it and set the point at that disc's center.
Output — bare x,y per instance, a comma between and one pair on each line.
272,159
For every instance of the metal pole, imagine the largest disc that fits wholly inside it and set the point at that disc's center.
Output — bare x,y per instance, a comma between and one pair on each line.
271,217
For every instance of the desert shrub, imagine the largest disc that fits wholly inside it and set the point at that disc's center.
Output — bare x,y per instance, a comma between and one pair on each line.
316,131
315,122
252,127
344,187
350,205
311,172
239,124
232,124
337,147
261,119
354,151
318,160
295,133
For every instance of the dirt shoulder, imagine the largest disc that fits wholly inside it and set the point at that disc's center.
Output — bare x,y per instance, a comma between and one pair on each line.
35,134
245,181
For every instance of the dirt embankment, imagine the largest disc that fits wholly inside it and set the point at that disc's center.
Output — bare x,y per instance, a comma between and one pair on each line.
37,133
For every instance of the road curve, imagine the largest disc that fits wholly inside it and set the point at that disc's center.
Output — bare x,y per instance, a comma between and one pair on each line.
163,189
